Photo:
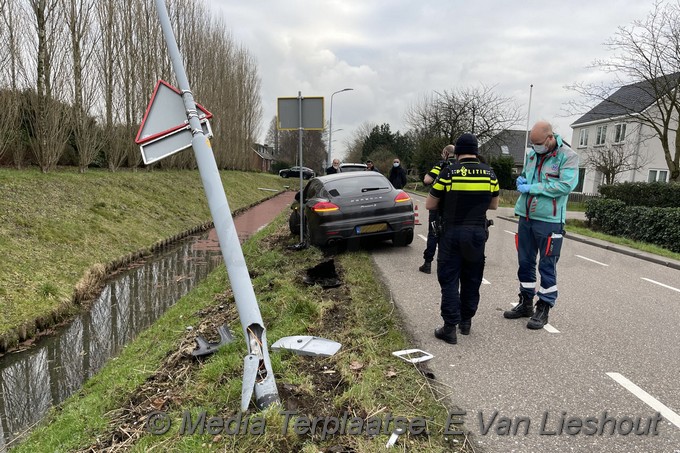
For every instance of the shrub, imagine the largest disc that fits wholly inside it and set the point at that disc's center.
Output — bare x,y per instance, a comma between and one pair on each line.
652,194
653,225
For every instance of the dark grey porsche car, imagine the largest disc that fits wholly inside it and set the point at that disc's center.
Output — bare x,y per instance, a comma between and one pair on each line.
352,206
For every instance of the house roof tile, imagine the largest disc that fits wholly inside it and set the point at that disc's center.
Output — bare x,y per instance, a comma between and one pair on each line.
630,99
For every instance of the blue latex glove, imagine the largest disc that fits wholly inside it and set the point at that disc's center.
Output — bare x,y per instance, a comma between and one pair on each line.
524,188
520,180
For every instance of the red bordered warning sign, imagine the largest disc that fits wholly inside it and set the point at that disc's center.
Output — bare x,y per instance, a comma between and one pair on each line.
166,114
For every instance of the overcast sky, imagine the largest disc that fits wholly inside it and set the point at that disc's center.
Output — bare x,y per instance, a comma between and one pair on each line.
393,52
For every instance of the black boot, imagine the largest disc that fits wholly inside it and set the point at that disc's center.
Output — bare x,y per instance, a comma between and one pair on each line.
464,326
524,309
447,333
426,267
540,318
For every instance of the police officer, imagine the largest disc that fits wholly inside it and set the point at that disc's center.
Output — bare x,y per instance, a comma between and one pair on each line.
433,214
463,193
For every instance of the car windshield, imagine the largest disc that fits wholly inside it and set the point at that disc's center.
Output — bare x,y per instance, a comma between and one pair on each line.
352,187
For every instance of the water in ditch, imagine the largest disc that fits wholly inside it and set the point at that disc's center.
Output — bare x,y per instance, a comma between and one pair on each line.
34,380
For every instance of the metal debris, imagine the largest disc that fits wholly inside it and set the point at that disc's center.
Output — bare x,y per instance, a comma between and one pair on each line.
308,345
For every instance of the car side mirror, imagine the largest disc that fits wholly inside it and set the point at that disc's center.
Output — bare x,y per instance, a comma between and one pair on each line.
297,196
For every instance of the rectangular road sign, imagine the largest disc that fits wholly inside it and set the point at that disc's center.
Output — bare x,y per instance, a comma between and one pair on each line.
288,113
171,143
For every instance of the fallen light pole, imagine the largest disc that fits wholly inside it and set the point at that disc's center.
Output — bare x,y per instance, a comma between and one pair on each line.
258,376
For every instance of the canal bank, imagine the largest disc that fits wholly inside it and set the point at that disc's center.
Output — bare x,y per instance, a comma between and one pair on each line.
61,233
55,367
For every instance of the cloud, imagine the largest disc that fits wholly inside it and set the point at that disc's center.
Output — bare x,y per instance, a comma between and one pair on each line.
392,52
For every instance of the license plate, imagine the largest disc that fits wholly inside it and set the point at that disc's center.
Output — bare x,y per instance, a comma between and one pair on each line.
373,228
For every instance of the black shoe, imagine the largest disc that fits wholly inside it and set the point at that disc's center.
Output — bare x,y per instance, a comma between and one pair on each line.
524,309
447,333
540,318
464,326
426,267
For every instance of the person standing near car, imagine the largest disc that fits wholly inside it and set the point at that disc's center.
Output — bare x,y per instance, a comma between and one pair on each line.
370,166
550,173
433,215
397,175
462,194
335,168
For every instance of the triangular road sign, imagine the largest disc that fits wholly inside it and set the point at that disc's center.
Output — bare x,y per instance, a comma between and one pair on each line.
165,113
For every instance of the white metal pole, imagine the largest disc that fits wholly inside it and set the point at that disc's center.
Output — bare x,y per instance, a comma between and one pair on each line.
526,139
330,125
259,377
302,202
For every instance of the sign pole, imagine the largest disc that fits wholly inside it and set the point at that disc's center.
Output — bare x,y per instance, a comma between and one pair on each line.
258,375
302,202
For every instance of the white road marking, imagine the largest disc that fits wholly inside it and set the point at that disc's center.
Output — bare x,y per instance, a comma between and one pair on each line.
550,328
646,398
510,232
547,327
660,284
424,238
485,281
592,261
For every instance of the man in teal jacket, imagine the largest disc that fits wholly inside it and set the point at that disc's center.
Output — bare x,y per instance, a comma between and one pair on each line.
550,174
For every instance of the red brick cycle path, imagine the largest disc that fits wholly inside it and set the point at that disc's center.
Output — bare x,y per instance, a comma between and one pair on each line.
251,221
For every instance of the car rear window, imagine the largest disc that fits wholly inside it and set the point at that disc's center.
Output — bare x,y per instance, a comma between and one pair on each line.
352,167
352,187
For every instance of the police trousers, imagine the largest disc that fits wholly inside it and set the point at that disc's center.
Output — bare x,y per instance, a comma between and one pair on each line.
460,269
432,236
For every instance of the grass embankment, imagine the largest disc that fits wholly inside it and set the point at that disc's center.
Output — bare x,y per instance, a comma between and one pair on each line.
156,372
55,227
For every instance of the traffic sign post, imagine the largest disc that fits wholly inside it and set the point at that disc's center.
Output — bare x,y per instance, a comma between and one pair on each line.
258,376
301,114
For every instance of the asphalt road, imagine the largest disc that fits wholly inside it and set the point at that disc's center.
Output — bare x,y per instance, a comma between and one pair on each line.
613,345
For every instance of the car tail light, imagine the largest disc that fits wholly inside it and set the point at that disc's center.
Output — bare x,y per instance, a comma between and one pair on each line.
325,206
403,196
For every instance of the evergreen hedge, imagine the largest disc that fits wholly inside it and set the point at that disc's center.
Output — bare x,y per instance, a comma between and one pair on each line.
652,194
654,225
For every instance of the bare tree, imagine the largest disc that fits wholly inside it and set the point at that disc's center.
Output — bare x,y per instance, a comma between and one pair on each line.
449,114
79,17
355,143
50,122
613,159
109,20
645,54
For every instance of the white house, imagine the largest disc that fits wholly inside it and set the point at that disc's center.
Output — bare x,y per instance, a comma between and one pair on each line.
612,130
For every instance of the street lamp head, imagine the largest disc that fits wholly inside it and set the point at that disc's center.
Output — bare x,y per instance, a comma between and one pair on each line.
340,91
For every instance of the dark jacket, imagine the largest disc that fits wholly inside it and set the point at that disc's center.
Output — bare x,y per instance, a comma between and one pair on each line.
397,177
332,170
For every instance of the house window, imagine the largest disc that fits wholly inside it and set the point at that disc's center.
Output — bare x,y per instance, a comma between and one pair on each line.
657,176
583,138
601,135
620,133
505,150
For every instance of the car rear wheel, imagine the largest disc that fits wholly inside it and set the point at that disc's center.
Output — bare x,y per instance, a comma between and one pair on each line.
402,238
294,223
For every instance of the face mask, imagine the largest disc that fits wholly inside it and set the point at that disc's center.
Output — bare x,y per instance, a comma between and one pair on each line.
540,149
395,165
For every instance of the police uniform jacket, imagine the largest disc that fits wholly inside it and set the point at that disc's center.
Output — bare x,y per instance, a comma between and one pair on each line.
464,189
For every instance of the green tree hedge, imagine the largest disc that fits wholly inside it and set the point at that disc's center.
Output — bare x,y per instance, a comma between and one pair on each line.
654,225
652,194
